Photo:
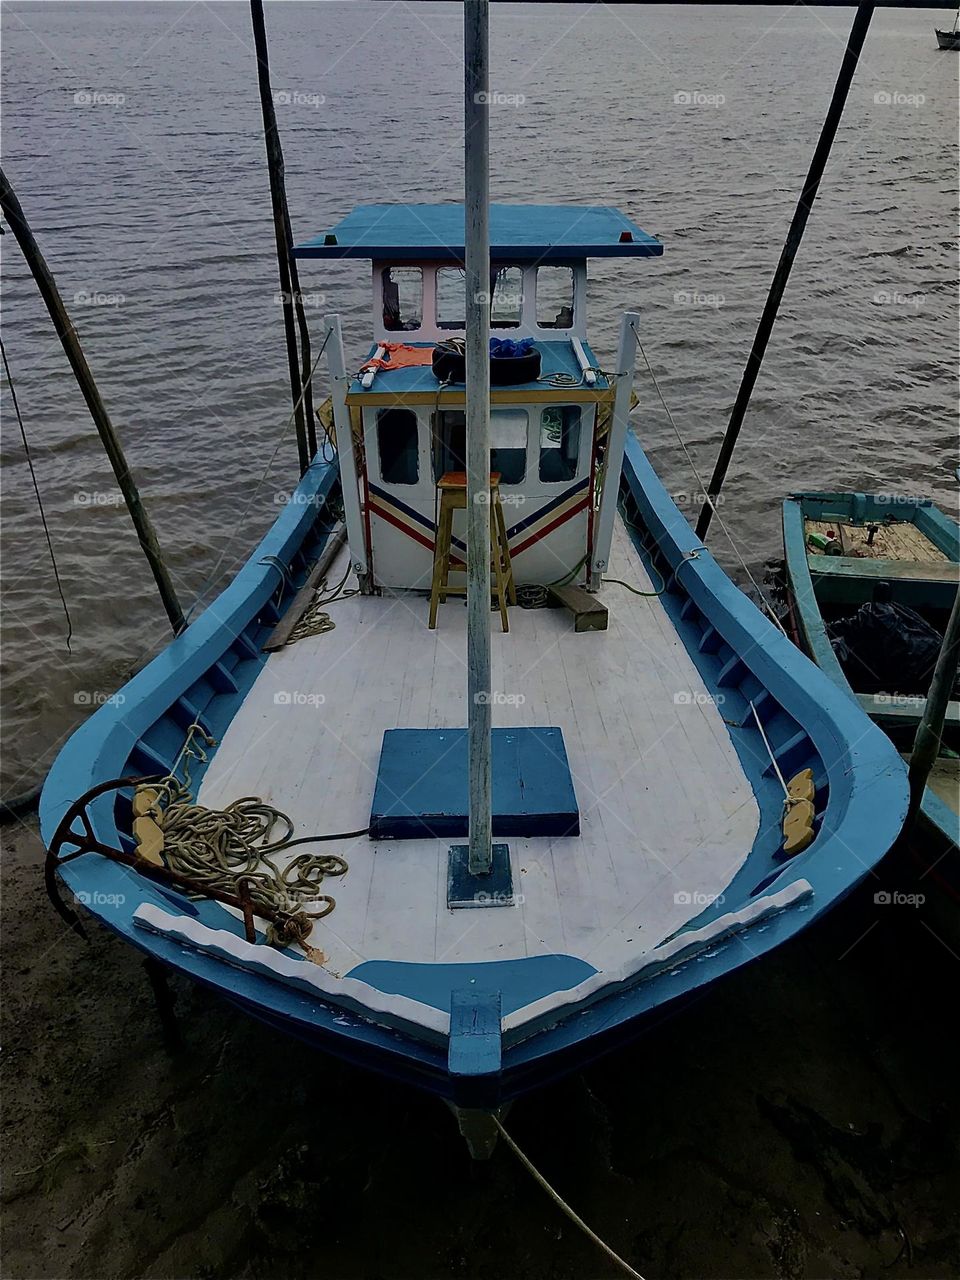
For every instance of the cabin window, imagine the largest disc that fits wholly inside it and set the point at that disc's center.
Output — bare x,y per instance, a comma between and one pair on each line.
508,440
402,298
555,297
506,298
397,441
451,298
559,442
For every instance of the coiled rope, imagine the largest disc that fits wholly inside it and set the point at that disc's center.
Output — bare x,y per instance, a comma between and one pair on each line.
232,850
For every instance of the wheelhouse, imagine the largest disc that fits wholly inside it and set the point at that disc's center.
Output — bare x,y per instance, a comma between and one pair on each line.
406,422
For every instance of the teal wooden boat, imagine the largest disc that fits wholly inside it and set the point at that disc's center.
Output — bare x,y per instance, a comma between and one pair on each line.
845,551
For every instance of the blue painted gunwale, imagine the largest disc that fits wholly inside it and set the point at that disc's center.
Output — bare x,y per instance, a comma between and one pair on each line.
518,233
930,520
862,794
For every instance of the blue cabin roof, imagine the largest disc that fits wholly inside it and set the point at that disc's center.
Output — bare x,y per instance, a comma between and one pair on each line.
518,232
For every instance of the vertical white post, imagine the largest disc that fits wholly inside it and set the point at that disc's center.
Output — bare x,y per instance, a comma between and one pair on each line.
346,458
616,442
476,210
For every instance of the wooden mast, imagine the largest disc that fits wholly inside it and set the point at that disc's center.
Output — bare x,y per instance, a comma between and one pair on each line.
926,744
71,344
476,212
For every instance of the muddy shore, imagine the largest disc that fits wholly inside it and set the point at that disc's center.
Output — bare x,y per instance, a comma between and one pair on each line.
800,1121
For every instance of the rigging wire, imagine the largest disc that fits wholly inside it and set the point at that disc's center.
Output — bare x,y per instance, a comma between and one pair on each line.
703,488
36,489
212,579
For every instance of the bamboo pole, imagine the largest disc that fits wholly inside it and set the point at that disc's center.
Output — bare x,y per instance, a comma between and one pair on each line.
476,211
306,356
67,334
280,225
926,745
848,66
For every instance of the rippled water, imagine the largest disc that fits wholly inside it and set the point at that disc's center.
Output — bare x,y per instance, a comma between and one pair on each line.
133,138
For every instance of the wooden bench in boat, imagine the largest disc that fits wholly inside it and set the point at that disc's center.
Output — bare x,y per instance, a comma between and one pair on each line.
851,580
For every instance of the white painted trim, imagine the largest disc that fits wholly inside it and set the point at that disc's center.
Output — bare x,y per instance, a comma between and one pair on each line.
333,336
676,950
616,442
265,961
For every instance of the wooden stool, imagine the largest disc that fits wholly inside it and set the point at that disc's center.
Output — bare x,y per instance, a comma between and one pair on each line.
453,497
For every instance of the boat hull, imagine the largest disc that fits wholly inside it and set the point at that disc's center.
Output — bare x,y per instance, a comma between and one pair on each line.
744,662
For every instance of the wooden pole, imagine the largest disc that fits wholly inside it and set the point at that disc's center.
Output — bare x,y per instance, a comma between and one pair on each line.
306,358
848,66
926,745
280,224
476,209
71,344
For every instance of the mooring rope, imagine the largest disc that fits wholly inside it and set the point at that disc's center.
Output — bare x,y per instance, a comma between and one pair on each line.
315,620
574,1217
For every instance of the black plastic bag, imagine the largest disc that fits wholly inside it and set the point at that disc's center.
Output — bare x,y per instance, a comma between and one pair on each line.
886,648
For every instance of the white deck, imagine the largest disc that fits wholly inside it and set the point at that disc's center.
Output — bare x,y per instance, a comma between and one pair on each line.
667,814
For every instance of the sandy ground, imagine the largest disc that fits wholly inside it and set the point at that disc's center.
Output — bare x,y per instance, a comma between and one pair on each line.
800,1120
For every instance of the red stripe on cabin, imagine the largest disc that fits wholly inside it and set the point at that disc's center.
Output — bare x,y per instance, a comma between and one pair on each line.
397,523
554,524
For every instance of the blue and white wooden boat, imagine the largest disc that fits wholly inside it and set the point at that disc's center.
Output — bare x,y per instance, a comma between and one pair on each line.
906,549
637,769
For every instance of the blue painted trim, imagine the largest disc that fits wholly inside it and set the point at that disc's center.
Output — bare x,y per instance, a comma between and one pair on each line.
518,233
475,1044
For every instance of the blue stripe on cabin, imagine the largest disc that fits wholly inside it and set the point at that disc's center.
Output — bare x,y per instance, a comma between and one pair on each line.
518,233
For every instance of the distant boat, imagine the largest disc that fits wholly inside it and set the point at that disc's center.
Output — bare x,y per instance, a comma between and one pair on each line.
950,39
871,579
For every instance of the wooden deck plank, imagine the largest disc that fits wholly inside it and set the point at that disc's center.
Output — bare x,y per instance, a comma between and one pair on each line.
665,806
